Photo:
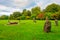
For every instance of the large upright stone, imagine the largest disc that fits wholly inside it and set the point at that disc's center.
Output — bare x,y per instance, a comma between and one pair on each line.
47,25
34,20
56,22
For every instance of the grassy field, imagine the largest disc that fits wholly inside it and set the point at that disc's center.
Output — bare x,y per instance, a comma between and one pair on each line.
28,30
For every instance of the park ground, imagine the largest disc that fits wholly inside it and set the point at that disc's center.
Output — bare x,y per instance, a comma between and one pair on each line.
28,30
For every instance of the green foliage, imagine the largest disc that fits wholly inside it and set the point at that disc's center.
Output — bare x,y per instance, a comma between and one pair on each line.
4,17
15,15
27,17
50,11
11,17
48,14
58,13
23,17
28,13
24,12
33,16
52,8
54,16
35,11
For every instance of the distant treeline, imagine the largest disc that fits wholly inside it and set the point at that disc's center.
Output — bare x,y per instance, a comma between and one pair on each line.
52,11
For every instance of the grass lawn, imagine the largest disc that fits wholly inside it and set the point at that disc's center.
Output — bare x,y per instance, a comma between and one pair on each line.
28,30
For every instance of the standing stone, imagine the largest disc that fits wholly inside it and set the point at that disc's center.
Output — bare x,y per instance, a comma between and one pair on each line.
56,22
47,25
34,20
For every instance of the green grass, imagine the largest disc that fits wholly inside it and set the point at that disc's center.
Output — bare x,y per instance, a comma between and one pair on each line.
28,30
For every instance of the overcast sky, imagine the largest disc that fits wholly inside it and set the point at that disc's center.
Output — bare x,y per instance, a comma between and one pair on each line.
9,6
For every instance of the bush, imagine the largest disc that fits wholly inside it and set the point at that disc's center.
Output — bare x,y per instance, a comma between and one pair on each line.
40,16
23,17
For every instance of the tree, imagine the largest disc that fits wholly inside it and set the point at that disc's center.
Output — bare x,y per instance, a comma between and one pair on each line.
24,12
48,14
4,17
58,14
15,15
40,16
54,16
28,13
35,11
52,8
11,17
23,17
27,17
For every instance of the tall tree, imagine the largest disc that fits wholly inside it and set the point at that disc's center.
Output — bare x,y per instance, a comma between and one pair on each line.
15,15
24,12
35,11
52,8
3,17
28,13
58,13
